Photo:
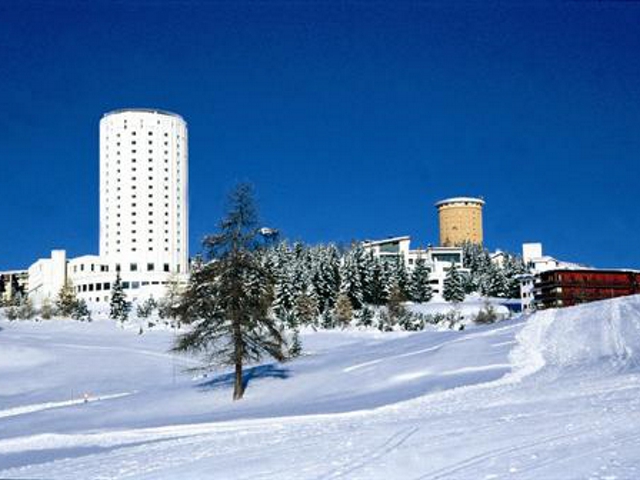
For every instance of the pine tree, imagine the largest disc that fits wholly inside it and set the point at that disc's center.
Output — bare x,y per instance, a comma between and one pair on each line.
285,295
81,311
295,349
351,281
119,306
395,305
168,304
46,309
454,285
420,289
343,311
146,308
26,310
67,300
495,282
227,311
513,268
305,309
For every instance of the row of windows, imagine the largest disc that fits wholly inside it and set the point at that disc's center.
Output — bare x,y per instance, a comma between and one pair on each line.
133,267
106,286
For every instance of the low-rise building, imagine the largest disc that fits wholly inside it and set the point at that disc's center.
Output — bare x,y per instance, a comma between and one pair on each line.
567,287
537,263
47,276
12,283
438,260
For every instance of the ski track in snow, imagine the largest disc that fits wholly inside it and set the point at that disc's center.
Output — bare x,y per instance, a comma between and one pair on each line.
12,412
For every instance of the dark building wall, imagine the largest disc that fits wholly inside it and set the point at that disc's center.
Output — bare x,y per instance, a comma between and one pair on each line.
564,288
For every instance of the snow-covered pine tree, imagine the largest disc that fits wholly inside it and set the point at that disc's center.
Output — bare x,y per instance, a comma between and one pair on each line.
420,289
81,311
513,268
146,308
119,306
454,285
495,282
305,309
169,304
46,309
26,311
378,283
477,259
350,281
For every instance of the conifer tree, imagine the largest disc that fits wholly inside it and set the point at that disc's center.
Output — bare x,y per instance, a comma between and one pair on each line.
46,309
395,305
343,312
26,310
420,289
81,311
454,285
351,282
305,309
227,302
119,306
67,300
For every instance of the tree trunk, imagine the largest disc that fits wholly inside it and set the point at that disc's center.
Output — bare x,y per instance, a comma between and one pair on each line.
238,389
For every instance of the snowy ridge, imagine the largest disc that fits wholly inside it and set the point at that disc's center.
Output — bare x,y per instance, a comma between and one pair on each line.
605,334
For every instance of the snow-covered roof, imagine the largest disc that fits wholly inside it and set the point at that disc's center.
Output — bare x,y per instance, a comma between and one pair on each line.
479,201
143,110
386,240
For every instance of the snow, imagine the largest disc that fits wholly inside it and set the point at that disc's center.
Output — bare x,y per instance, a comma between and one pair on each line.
553,395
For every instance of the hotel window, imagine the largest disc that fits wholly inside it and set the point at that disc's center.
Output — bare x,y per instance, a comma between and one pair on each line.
150,267
133,267
117,267
166,267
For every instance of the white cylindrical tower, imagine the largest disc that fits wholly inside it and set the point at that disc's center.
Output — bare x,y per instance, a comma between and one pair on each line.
144,211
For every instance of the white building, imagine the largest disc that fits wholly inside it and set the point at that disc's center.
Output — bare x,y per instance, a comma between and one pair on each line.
144,191
437,259
144,212
47,276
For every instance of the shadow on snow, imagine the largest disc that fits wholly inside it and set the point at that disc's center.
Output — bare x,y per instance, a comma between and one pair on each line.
271,370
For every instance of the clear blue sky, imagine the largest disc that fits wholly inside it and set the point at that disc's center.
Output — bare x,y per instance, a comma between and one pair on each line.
351,118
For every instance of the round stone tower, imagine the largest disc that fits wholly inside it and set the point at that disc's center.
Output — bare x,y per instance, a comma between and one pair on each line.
460,221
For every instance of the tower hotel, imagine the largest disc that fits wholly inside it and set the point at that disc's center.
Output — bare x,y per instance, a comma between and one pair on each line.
144,213
143,190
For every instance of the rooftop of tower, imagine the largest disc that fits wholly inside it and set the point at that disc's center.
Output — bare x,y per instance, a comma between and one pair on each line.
143,110
446,201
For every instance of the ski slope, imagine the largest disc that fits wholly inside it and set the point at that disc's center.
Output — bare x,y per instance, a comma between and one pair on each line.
553,396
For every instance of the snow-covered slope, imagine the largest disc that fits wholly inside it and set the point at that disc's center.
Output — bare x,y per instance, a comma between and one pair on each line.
556,395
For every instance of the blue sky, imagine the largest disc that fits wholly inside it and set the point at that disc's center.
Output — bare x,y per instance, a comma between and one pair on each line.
350,118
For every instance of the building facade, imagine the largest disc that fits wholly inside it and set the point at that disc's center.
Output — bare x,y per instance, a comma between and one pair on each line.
564,288
13,284
144,214
438,260
144,191
460,221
